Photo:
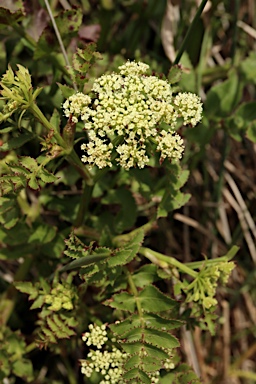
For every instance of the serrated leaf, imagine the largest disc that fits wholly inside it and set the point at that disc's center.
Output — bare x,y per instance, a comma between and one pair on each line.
145,363
147,274
25,287
46,176
42,234
7,17
127,254
17,142
66,91
28,162
149,320
154,337
138,375
183,375
69,21
139,348
150,299
171,202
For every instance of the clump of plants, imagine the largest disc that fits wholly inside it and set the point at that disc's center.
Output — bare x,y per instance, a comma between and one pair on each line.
79,212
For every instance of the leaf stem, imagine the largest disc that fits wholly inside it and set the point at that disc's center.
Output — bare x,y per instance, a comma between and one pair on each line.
83,206
134,292
189,32
70,153
149,253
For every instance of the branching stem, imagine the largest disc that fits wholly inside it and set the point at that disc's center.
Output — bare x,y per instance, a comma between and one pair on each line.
168,260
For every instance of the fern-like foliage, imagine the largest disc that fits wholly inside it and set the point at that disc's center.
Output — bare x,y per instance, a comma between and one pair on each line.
25,171
56,301
145,334
54,326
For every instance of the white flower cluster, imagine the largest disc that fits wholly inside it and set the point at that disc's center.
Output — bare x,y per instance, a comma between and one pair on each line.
97,336
189,107
76,105
132,106
109,363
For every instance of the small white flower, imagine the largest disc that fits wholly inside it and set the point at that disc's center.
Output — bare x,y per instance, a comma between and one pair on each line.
189,107
132,105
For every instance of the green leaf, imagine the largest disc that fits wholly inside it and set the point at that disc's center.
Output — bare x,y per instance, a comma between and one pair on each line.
150,320
17,142
55,120
170,203
13,15
146,363
222,98
46,44
84,261
139,348
174,74
69,21
150,299
29,163
127,254
66,91
147,274
154,337
26,287
251,132
248,68
185,375
172,197
127,215
23,368
137,376
42,234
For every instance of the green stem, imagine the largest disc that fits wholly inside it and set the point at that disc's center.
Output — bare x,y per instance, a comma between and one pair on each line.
198,264
73,159
134,292
40,116
70,153
235,33
83,207
149,253
190,31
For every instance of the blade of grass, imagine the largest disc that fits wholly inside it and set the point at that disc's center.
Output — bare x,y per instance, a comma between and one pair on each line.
190,32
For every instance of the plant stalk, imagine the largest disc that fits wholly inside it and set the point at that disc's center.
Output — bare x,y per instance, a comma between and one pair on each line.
190,32
168,260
